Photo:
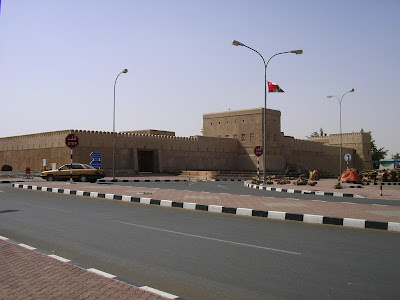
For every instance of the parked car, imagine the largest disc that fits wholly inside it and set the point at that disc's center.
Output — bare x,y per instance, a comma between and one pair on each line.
81,172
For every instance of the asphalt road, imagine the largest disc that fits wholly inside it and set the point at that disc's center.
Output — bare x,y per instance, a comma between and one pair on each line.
238,188
199,255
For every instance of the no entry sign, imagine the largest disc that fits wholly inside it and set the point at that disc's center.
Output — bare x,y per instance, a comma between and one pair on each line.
71,140
258,150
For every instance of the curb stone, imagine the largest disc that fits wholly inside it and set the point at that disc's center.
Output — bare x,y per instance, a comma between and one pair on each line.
142,180
307,218
381,183
96,271
292,191
11,181
164,180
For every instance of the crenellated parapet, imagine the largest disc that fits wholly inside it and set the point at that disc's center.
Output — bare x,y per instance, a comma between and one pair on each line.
90,138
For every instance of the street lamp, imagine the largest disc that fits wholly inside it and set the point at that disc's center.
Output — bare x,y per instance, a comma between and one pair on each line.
340,124
123,71
237,43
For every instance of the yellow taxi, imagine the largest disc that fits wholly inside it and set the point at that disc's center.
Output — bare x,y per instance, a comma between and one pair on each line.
81,172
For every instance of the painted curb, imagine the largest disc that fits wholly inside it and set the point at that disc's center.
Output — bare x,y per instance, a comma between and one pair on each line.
304,192
166,180
142,180
307,218
11,181
96,271
381,183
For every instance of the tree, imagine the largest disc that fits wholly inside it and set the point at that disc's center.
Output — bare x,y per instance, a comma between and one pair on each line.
316,134
377,153
396,156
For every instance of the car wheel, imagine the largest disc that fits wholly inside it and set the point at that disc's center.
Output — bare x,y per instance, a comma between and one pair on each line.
83,178
50,178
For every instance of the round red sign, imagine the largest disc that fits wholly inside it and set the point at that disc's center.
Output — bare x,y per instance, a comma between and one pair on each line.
71,140
258,150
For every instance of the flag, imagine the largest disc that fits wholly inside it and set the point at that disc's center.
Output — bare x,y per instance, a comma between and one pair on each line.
274,88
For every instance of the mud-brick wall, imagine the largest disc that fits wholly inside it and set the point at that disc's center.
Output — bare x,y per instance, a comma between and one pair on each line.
309,155
199,153
25,151
172,153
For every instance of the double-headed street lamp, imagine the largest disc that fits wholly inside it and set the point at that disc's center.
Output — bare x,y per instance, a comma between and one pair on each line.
340,124
236,43
123,71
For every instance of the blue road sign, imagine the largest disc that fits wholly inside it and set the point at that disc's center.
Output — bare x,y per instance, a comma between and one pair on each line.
95,155
96,163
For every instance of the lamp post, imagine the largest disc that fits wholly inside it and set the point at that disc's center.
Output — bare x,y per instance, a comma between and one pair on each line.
340,124
236,43
123,71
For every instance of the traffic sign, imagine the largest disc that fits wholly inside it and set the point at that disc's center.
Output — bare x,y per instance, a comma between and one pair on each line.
258,150
96,155
71,140
96,163
347,157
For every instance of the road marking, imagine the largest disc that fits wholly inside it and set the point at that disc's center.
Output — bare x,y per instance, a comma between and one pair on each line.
1,191
66,211
318,200
348,202
27,246
98,272
292,199
158,292
379,204
222,186
59,258
208,238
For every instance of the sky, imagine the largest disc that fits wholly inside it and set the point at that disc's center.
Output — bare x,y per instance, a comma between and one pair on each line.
59,61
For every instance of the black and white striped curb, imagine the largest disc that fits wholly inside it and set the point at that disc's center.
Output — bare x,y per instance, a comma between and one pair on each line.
381,183
96,271
278,215
231,179
142,180
10,181
166,180
304,192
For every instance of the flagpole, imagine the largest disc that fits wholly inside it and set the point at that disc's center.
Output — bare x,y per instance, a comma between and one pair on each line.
237,43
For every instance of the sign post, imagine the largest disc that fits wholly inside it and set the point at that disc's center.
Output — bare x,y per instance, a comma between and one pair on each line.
258,151
71,141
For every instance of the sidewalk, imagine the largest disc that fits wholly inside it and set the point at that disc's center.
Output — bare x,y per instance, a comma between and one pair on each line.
29,274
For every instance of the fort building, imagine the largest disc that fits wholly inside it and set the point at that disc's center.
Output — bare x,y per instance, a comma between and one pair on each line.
227,143
284,151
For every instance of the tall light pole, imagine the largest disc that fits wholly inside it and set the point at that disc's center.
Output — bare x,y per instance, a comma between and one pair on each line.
236,43
123,71
340,124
